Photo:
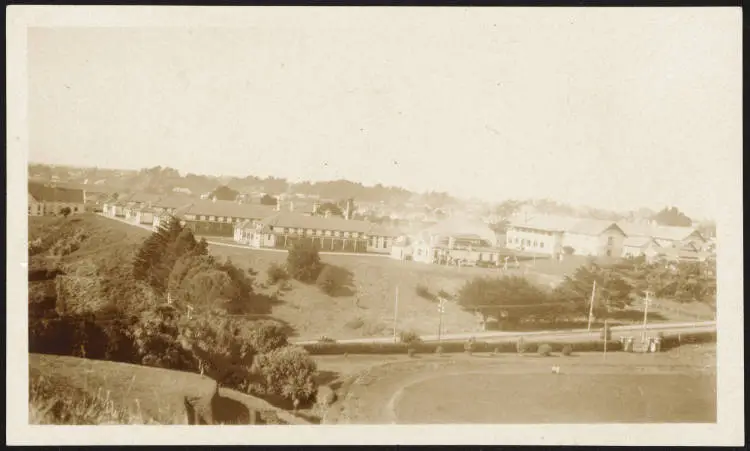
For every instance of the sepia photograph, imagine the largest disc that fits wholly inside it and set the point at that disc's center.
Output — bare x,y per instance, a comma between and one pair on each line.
384,225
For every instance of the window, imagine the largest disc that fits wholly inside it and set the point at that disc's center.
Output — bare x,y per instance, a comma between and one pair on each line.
346,234
29,209
337,233
535,243
212,218
318,232
611,240
609,252
203,217
541,244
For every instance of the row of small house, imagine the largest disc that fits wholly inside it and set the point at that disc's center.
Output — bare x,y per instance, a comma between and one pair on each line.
457,241
257,226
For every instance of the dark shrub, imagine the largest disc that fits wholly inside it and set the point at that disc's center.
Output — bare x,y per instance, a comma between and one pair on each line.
424,292
567,350
289,372
267,336
303,263
410,337
544,350
276,273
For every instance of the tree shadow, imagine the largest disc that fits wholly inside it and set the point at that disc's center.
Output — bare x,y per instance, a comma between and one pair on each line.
257,304
324,377
635,315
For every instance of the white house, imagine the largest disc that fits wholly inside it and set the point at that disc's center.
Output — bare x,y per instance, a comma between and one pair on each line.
556,235
453,241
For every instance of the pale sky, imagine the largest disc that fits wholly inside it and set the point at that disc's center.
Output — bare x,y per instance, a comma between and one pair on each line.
615,108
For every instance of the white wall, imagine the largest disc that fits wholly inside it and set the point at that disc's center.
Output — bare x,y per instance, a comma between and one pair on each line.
596,245
546,242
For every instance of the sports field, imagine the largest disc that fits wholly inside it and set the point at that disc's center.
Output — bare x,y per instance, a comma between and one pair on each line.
673,387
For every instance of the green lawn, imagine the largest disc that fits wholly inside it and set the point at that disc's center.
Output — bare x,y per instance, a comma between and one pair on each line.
674,386
560,398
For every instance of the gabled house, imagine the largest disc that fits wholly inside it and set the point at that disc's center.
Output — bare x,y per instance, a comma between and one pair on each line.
51,200
641,246
453,241
557,235
666,236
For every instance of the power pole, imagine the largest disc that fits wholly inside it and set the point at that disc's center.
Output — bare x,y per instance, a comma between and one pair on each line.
646,302
591,306
395,317
441,310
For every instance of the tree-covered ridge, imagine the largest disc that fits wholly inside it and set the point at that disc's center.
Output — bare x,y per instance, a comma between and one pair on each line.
171,307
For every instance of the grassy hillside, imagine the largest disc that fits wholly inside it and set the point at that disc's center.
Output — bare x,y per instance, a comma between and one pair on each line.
367,308
116,392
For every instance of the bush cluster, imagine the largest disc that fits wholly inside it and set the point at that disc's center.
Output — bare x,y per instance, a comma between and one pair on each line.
276,273
451,346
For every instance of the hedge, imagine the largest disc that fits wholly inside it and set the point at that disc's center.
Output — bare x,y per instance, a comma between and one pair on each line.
457,346
449,347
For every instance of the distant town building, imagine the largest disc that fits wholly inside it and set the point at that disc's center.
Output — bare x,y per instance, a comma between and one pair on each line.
454,241
330,234
47,199
557,235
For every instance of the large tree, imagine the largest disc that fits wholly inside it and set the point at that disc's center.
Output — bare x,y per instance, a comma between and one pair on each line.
303,263
672,216
510,297
268,200
612,290
224,192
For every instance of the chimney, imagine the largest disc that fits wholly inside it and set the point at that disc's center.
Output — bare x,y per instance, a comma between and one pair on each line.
278,203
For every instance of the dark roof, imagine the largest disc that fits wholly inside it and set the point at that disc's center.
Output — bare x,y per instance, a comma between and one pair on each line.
583,226
173,201
297,220
45,193
229,208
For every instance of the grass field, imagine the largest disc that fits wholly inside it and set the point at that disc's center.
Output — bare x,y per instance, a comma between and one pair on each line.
134,393
368,308
674,386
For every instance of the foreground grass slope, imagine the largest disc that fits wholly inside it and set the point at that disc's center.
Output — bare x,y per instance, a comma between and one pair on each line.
108,392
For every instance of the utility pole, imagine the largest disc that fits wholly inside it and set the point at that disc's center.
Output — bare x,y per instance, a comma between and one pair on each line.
441,310
395,317
591,306
646,302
